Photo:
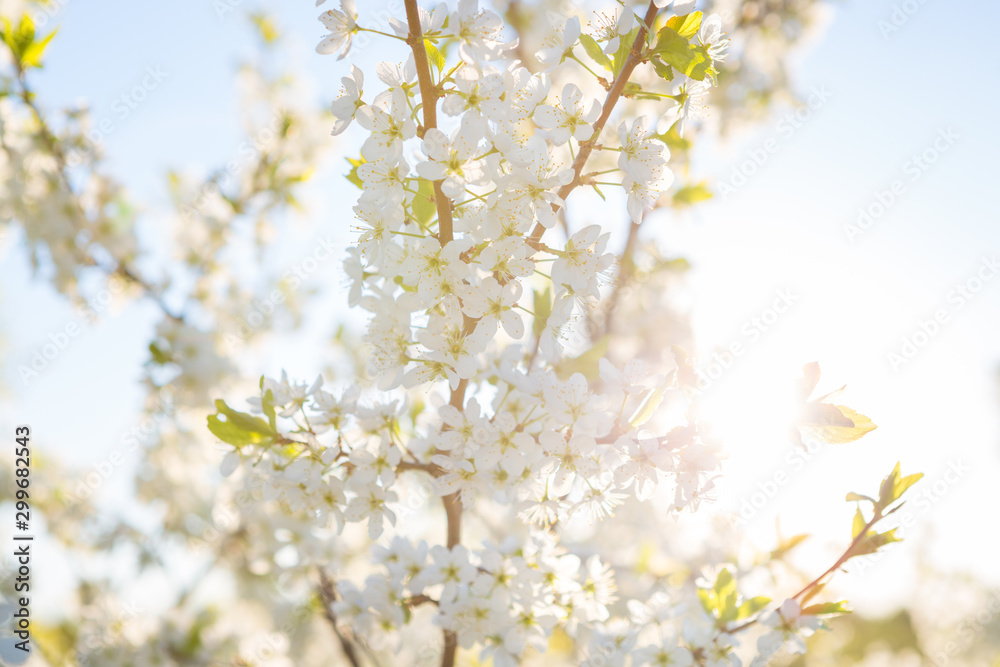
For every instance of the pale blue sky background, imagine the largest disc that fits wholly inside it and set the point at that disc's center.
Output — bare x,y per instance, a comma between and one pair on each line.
784,229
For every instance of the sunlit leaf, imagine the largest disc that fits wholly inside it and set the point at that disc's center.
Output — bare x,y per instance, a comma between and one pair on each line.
686,26
691,194
595,52
238,428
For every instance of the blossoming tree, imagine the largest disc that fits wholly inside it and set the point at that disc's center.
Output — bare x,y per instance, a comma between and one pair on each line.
528,418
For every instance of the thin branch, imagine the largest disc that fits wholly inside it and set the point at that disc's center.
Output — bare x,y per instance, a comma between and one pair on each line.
429,95
624,275
328,592
587,147
844,557
121,268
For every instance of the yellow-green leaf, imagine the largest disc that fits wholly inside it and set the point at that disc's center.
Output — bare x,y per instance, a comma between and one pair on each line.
647,408
594,50
859,523
434,56
686,26
851,427
691,194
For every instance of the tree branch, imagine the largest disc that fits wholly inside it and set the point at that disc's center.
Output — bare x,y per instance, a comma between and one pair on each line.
121,267
328,593
429,95
624,275
587,147
846,556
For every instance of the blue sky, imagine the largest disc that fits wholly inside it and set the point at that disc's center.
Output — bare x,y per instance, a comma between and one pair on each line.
891,96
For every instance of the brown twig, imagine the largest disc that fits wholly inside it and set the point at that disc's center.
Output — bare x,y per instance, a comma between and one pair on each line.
587,147
624,275
328,593
121,267
844,557
429,95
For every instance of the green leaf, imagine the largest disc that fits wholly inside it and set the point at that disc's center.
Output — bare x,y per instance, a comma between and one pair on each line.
784,546
680,54
827,608
423,206
859,524
894,486
32,56
835,424
586,363
752,606
542,308
352,176
691,194
724,582
159,356
267,405
872,542
266,27
435,57
686,26
239,428
595,52
24,36
648,407
625,43
21,41
663,70
674,141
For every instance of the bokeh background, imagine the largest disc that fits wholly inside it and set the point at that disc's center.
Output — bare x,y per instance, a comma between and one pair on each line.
899,122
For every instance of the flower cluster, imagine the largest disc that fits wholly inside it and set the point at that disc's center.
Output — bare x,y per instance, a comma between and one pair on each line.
465,298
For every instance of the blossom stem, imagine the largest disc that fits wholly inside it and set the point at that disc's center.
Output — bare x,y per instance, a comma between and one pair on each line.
584,65
587,147
384,34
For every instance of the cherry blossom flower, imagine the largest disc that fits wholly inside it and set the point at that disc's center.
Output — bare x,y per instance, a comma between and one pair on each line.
430,21
453,160
371,502
477,31
476,93
645,460
389,126
581,261
493,304
566,459
711,35
570,119
789,627
342,26
563,34
642,156
346,106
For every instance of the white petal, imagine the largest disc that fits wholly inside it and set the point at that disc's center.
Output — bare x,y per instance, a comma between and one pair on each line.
229,464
